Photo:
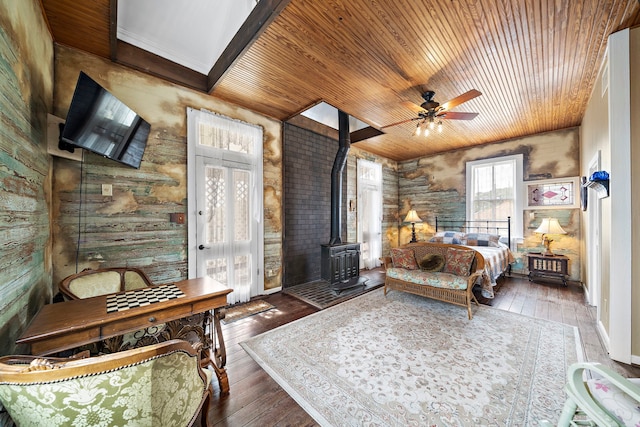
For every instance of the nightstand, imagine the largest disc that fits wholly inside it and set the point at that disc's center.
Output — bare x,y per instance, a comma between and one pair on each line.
556,266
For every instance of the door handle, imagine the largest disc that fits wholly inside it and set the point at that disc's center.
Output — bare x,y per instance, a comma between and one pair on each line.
202,247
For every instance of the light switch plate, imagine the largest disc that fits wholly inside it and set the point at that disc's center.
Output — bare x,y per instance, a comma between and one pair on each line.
107,190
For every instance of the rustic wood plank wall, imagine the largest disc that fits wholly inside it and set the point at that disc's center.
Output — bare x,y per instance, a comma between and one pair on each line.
436,186
26,85
132,227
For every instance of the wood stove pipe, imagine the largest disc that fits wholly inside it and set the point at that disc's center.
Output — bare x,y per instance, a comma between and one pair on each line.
344,143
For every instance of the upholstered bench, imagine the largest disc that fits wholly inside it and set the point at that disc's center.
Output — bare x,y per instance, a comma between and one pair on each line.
445,272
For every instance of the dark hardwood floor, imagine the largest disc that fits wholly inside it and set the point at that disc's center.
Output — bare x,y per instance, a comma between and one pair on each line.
257,400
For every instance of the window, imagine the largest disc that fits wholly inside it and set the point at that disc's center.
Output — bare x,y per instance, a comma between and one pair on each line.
494,191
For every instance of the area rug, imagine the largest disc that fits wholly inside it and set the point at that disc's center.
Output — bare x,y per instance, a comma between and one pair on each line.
405,360
242,311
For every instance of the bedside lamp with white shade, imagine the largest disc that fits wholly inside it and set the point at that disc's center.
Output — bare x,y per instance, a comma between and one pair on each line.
549,226
413,217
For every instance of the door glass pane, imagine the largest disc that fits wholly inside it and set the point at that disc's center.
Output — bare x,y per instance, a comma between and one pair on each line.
217,269
241,219
225,139
369,232
208,136
241,143
242,270
241,277
216,204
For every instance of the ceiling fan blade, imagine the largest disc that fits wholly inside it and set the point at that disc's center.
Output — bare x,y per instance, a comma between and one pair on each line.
399,123
467,96
413,107
455,115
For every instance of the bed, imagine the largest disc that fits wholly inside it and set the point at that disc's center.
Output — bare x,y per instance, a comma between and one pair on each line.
490,238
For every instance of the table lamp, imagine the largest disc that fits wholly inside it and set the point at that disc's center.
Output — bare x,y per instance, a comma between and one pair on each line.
413,217
549,226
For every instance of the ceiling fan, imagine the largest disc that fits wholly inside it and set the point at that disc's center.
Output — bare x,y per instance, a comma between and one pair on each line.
430,111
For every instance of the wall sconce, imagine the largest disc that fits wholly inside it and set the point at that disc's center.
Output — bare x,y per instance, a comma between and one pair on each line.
413,217
549,226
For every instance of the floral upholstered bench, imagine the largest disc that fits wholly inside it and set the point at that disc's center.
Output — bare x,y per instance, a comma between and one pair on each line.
445,272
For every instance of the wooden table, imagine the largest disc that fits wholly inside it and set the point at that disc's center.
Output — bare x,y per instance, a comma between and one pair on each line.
70,324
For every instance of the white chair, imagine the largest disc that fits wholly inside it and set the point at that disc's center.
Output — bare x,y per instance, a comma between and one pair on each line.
598,396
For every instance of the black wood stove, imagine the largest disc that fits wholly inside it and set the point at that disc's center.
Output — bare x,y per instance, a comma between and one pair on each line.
340,262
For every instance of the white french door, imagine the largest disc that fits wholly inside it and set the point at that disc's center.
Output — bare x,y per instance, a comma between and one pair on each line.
225,203
225,230
369,184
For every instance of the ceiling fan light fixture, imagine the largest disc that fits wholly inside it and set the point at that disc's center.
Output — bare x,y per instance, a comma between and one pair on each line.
431,110
418,130
426,131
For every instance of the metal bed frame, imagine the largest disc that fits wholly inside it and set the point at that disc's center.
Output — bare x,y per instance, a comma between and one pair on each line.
477,226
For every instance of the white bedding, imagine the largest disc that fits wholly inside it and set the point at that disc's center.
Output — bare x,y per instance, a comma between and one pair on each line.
497,260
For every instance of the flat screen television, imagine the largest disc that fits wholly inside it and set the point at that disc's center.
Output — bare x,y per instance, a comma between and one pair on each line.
99,122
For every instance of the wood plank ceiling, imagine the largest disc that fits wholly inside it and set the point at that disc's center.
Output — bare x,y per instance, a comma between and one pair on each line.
535,61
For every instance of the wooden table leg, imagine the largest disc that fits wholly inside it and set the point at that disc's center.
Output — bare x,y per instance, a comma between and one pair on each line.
218,350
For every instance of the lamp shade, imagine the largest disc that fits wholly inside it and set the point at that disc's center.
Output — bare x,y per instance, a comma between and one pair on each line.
550,226
412,217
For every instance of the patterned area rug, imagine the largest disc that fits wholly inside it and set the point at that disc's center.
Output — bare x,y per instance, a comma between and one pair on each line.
406,360
245,310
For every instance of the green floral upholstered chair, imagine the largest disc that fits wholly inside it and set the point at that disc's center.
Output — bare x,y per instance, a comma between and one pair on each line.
157,385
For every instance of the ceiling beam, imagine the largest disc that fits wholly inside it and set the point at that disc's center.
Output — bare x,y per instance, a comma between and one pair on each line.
150,63
364,133
139,59
256,23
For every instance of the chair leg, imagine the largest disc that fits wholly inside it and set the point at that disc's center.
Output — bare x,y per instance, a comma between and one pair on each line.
204,412
568,411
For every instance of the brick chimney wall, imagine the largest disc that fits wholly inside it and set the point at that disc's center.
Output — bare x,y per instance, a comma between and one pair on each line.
308,158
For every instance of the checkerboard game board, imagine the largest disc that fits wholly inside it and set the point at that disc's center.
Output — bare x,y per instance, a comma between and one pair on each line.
142,297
